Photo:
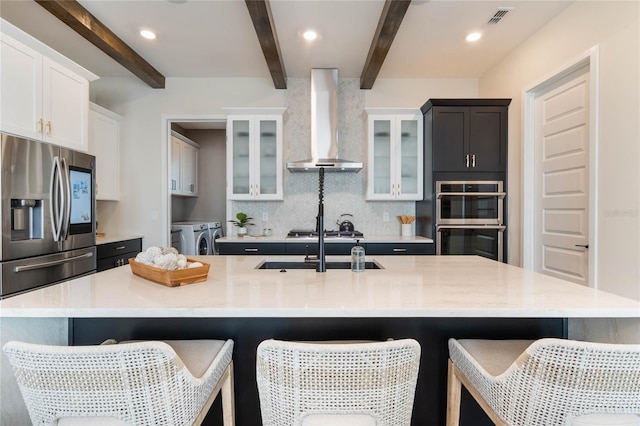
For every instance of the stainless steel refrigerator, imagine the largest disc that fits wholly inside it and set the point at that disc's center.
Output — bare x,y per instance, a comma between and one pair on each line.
47,214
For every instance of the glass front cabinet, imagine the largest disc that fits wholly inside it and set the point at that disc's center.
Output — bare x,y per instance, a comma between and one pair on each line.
395,164
254,157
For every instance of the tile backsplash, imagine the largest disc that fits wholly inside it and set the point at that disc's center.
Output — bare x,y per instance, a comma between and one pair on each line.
343,192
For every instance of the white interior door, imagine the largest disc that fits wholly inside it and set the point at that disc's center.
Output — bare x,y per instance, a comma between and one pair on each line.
562,180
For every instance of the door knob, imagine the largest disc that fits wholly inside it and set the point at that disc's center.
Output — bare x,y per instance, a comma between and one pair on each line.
583,245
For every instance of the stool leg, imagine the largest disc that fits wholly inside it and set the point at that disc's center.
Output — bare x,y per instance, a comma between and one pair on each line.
228,400
453,396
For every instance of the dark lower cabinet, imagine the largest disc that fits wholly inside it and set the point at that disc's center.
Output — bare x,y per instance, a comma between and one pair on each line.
251,248
312,248
388,249
112,255
331,249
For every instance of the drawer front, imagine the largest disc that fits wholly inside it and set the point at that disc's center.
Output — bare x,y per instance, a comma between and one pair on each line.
115,261
119,248
400,248
329,248
263,249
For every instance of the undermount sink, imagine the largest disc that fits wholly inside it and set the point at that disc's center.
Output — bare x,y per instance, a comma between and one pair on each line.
292,264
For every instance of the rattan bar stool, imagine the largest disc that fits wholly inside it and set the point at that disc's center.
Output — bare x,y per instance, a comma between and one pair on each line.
546,382
329,383
171,382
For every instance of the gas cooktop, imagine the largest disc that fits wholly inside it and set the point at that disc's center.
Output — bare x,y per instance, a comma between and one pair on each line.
309,233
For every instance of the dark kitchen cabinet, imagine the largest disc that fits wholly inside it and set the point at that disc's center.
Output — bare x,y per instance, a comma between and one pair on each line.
250,248
465,140
388,249
312,248
112,255
466,135
331,248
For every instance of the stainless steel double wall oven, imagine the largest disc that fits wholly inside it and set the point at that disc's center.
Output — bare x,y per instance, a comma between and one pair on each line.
470,218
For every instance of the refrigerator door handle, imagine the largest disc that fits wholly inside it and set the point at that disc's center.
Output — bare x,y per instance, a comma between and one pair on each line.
41,265
66,209
56,199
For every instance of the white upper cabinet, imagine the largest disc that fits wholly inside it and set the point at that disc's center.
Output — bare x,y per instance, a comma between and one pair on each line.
42,99
189,165
395,162
104,143
184,166
176,179
254,156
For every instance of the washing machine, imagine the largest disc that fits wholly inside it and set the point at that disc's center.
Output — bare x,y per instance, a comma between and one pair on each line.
195,238
215,232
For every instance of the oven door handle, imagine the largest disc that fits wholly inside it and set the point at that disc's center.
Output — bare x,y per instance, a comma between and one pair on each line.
498,227
471,194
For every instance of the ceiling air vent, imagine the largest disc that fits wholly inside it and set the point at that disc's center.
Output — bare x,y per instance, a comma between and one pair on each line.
501,13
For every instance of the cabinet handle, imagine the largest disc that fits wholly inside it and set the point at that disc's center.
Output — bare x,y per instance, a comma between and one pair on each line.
466,160
473,160
251,250
399,249
120,247
41,125
48,128
173,184
250,189
257,189
192,188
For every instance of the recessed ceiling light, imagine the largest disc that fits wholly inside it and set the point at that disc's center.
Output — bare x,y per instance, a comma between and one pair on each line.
149,35
474,36
310,35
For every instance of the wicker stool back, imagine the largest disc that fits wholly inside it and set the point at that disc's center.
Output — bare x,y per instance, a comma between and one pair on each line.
375,380
549,384
141,383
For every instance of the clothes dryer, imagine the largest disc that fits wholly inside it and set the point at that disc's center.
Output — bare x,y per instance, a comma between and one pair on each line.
195,238
215,232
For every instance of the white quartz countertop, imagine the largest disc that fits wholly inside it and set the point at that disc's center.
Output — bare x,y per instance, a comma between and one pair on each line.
113,238
409,286
284,239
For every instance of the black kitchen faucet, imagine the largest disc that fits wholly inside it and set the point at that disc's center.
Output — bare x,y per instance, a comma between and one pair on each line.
320,258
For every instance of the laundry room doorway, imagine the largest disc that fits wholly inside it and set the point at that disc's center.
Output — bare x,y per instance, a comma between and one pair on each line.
195,148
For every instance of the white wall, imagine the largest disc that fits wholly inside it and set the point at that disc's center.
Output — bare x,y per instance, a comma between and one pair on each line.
614,27
144,161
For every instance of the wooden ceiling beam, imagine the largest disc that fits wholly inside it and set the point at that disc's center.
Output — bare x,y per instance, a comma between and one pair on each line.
84,23
260,12
388,25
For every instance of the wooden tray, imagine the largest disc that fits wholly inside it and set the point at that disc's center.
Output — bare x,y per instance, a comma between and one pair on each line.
171,278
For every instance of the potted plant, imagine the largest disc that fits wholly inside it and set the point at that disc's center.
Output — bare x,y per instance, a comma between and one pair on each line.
241,222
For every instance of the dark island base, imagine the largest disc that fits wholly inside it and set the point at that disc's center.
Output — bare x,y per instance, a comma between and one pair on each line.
247,333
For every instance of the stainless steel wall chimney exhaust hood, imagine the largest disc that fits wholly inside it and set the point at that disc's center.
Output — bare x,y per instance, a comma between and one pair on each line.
324,127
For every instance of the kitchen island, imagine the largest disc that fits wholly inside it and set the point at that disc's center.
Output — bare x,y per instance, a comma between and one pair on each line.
429,298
